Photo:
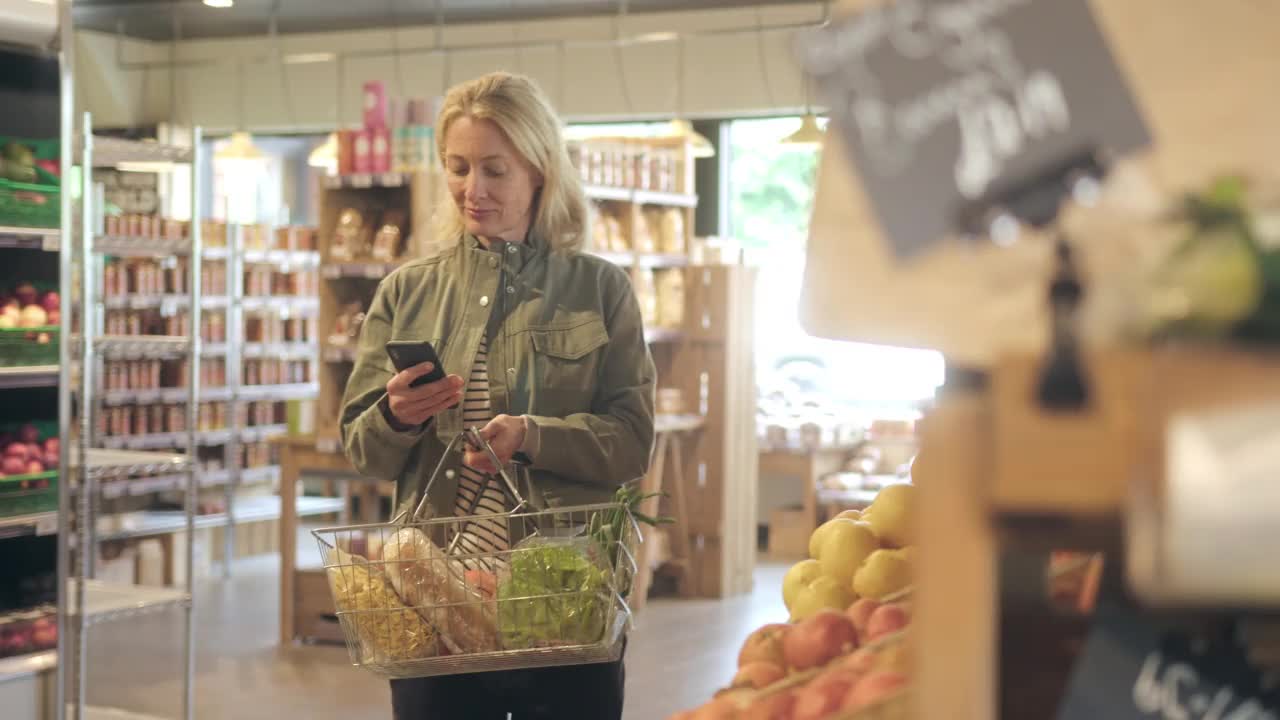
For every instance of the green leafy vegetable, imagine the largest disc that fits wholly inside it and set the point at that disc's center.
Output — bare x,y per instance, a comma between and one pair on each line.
554,594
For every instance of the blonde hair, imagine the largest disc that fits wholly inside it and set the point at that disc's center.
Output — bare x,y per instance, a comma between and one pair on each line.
524,114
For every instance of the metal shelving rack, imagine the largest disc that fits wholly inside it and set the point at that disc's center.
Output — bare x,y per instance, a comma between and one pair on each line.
84,601
238,258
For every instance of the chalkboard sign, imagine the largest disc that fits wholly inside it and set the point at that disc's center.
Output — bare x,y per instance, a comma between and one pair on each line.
945,105
1133,668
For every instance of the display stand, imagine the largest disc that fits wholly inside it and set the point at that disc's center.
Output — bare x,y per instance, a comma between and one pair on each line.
306,606
999,470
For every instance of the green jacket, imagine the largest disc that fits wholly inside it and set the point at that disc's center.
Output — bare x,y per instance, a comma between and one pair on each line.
566,348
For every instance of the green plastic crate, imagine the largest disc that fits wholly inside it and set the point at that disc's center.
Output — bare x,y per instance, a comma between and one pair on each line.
23,347
32,202
27,494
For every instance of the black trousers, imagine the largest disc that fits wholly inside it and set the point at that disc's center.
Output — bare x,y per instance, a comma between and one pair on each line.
575,692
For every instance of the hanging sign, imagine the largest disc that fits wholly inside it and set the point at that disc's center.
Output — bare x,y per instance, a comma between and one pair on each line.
1133,668
947,105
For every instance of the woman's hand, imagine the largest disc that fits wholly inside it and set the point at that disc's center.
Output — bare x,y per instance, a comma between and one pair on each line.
505,434
414,406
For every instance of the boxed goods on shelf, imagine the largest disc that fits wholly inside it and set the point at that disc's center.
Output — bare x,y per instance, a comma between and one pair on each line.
146,226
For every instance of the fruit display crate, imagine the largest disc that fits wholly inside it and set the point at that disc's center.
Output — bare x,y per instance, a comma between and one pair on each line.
29,191
28,493
23,632
22,347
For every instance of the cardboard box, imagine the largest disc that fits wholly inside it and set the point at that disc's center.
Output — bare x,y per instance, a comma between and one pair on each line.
789,534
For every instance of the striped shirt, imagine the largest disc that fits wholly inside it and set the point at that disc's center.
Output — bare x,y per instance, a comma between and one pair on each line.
486,536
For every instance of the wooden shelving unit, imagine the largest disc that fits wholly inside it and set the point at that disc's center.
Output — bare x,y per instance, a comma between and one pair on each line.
346,280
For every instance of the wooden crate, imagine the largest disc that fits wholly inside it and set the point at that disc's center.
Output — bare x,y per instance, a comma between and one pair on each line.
314,613
713,365
788,534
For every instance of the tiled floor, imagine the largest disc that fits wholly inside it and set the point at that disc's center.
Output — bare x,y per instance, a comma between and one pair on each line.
680,652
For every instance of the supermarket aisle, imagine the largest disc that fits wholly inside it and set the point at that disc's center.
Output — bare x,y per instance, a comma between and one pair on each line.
680,653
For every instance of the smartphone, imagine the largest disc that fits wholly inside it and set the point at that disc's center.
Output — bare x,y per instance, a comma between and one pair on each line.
405,354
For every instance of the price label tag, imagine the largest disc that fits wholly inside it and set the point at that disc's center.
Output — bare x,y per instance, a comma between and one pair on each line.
47,525
1135,669
361,180
944,106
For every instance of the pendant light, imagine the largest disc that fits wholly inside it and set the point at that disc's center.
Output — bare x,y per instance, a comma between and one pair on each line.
241,147
326,154
700,146
809,134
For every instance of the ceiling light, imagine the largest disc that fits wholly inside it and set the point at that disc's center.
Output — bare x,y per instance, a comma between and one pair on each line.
220,3
700,146
808,134
311,57
240,147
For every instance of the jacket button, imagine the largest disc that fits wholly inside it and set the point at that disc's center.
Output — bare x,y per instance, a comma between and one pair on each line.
511,289
450,474
484,301
493,262
511,249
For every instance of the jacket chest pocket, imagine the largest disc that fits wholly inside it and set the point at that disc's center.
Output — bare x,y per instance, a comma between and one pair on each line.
566,365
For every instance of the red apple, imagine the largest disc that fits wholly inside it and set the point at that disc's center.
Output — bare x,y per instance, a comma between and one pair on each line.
50,301
54,317
51,459
34,467
34,451
886,620
29,433
859,662
718,709
758,675
44,632
773,707
819,639
872,689
52,444
12,465
16,449
822,696
765,645
26,293
860,613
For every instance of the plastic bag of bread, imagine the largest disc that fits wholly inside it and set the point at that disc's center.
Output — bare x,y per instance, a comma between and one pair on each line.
435,585
388,629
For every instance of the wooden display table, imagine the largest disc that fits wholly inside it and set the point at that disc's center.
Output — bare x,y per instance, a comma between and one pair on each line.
306,607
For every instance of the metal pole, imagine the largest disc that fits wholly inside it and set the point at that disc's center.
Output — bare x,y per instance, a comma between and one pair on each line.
193,399
66,278
235,360
84,519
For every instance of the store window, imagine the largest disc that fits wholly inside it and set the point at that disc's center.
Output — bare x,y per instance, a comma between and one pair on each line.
771,188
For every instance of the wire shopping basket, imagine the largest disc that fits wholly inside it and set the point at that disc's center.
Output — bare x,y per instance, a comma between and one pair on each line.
413,601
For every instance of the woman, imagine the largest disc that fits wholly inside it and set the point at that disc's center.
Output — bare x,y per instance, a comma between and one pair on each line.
547,356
